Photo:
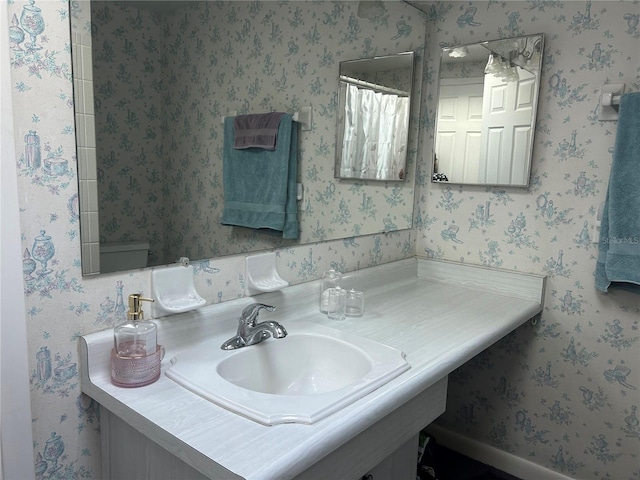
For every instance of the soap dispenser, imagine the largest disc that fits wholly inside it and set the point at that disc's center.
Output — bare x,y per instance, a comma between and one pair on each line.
137,337
136,357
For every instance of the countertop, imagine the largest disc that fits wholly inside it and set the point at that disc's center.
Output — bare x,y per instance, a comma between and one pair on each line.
441,314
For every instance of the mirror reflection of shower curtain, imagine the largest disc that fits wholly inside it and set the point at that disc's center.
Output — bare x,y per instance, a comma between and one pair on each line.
375,134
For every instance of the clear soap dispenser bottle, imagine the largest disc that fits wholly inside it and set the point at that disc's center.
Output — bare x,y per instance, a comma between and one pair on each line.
137,337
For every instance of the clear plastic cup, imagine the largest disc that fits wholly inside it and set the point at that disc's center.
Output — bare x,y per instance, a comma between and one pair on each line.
355,303
330,279
337,303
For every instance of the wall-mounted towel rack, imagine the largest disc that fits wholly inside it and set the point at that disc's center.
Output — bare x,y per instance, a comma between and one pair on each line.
610,94
304,117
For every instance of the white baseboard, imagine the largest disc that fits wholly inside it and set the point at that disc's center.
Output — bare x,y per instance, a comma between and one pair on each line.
505,461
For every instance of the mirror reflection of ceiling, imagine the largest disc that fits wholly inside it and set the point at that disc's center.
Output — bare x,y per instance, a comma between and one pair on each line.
164,79
487,103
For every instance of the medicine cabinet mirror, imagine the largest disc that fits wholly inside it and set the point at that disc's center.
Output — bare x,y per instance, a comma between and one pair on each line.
152,83
487,103
374,102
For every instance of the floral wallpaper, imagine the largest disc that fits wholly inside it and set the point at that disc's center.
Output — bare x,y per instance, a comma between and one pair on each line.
128,88
61,304
563,392
165,81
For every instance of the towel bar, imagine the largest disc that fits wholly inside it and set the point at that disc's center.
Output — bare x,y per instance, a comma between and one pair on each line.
610,101
304,117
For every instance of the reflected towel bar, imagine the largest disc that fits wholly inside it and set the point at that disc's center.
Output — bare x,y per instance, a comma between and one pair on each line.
303,117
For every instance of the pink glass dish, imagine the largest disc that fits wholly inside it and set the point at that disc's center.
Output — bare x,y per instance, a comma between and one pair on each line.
136,371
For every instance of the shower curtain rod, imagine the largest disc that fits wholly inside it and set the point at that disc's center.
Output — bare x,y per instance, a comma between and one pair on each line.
380,88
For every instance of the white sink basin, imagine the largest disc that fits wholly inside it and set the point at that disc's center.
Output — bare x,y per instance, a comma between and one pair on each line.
302,378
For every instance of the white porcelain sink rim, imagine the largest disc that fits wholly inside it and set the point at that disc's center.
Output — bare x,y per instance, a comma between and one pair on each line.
269,409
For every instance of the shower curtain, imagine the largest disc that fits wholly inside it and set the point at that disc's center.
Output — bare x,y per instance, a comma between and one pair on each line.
376,124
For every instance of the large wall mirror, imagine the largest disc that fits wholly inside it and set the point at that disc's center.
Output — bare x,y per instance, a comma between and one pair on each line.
152,82
487,103
374,103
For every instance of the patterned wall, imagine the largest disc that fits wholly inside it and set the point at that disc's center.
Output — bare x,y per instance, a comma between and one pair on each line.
565,392
166,81
129,86
61,304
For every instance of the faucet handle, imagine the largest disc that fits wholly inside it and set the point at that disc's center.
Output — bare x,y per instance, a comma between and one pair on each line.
250,313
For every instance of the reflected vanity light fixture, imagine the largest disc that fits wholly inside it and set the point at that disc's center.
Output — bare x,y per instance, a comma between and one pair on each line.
476,156
531,50
503,69
524,52
492,64
459,52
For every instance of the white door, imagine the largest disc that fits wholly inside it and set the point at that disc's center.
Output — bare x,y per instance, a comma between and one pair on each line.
459,123
506,129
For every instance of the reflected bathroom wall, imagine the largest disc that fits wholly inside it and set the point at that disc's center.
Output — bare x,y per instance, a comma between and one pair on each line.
164,81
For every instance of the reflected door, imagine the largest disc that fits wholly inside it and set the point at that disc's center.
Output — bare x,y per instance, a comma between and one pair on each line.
506,129
458,138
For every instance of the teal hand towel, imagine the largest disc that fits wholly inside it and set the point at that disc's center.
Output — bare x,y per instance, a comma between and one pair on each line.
619,245
260,185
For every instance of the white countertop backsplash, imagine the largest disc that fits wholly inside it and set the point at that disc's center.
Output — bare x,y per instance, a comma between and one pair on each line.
441,314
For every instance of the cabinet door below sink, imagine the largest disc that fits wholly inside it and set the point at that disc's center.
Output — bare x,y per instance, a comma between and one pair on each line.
127,453
400,465
387,449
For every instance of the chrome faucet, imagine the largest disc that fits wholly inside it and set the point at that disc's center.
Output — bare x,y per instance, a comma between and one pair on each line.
250,332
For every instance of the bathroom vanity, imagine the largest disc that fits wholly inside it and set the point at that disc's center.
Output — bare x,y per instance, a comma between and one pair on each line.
440,314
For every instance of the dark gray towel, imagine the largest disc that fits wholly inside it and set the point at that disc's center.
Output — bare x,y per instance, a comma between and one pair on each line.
256,131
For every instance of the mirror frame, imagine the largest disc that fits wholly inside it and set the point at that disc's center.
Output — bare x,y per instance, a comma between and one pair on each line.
494,47
387,63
